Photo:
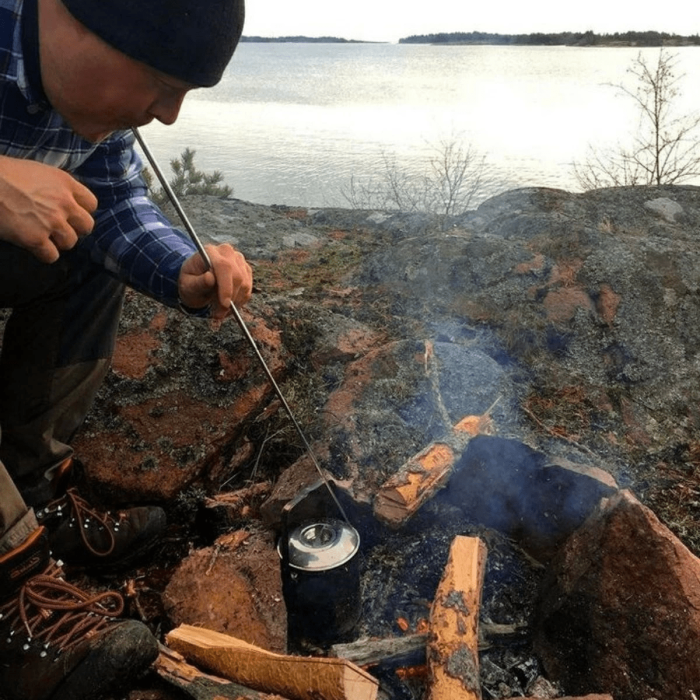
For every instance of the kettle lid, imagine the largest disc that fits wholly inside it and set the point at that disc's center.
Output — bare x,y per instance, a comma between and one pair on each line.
322,545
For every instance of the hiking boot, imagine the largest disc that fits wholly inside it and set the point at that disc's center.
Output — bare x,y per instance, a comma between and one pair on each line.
58,642
81,534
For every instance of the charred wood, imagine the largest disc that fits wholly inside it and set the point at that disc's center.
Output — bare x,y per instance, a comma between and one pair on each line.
410,650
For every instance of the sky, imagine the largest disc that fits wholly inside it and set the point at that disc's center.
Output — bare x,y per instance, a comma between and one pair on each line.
389,20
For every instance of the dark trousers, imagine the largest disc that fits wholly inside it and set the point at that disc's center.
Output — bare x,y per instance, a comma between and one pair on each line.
56,350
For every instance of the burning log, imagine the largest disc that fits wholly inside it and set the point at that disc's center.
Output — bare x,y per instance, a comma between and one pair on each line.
294,677
427,472
416,482
453,655
173,669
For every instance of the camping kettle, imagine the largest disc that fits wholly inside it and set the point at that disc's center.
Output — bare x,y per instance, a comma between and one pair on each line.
320,580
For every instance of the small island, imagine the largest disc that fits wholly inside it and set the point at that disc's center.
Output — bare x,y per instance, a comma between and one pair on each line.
589,38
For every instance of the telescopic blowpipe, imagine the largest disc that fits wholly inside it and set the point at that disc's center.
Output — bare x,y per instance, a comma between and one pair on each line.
236,314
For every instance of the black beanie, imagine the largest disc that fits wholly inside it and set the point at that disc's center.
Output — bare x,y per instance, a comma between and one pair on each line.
192,40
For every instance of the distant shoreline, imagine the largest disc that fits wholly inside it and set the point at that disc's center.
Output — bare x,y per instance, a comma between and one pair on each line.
624,39
649,39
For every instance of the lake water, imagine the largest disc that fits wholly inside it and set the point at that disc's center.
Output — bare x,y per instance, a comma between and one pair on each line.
292,123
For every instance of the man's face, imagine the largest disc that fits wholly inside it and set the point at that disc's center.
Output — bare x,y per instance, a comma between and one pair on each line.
98,89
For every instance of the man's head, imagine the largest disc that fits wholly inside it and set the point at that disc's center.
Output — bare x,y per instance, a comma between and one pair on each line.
113,64
192,40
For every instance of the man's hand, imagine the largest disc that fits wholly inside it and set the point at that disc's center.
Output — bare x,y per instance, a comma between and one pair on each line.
230,281
42,208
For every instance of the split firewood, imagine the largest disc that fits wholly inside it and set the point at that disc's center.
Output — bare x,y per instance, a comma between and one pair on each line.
294,677
453,654
424,474
174,670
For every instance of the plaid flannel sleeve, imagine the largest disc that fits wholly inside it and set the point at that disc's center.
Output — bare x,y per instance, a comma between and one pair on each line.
132,239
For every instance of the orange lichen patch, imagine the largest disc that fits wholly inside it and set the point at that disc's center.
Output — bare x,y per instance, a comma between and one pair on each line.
346,346
533,292
297,256
233,369
608,303
159,321
634,421
338,235
342,292
296,214
171,417
264,334
132,354
166,442
339,408
561,304
475,310
356,341
249,403
534,265
134,474
565,272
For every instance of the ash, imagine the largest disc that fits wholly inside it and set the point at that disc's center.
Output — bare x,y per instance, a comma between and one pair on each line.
400,575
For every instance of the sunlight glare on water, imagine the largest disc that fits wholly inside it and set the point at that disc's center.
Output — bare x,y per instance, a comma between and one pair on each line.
292,123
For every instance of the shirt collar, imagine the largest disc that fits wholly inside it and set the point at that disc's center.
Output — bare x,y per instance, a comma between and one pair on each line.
21,65
31,84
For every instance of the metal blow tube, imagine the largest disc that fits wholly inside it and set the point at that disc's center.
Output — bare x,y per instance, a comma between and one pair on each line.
236,314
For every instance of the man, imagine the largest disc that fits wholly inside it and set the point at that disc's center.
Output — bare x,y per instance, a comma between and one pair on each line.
75,227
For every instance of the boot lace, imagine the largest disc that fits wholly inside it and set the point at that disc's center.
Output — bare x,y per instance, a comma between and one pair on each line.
56,613
82,513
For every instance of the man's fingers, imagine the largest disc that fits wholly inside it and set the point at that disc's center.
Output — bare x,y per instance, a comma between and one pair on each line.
245,289
234,276
45,251
229,280
65,238
81,221
85,198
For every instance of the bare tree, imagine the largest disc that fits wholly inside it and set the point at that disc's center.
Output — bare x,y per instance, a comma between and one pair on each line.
453,177
664,148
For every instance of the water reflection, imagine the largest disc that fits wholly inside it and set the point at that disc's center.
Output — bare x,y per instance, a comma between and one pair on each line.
291,123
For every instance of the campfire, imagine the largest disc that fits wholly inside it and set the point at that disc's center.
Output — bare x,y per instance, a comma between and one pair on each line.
451,606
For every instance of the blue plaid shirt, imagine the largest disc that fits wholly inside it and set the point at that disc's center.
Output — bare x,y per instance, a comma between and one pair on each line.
132,239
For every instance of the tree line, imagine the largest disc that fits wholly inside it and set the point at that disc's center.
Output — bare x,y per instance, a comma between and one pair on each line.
589,38
299,39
